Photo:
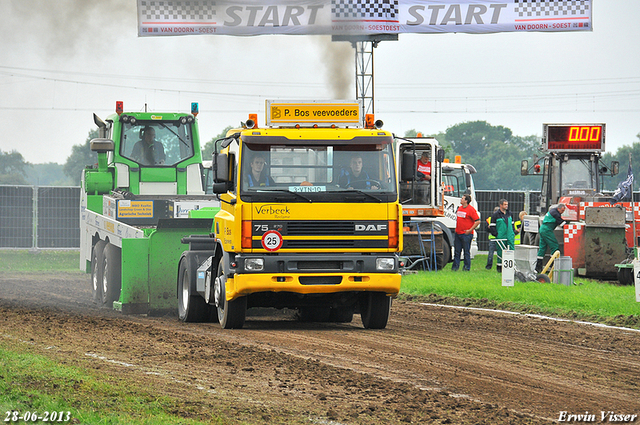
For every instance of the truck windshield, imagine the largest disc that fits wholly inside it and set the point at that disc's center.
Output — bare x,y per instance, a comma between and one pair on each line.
455,183
578,175
156,143
318,172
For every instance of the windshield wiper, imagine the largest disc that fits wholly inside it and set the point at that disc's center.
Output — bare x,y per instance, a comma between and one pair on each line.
363,193
287,191
176,134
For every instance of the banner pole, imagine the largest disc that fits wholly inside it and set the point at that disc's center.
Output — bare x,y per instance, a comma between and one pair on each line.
633,211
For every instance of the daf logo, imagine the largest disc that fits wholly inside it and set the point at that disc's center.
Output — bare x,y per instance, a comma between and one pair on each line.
370,227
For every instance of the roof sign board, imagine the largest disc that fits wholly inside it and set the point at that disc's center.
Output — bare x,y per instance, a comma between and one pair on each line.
309,113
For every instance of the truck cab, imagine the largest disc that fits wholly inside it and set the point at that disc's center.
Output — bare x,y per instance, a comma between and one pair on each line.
153,153
431,203
309,220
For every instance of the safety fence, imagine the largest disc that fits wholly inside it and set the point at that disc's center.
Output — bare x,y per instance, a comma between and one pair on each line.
39,217
488,200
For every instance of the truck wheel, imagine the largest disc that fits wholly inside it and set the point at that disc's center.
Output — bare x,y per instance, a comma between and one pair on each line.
191,306
231,314
443,260
374,310
625,276
96,272
110,275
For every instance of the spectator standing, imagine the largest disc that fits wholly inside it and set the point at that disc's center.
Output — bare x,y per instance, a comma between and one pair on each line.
518,226
492,243
502,227
466,223
551,220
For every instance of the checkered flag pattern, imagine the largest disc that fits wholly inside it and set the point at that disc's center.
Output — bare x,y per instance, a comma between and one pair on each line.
570,230
177,10
365,9
551,8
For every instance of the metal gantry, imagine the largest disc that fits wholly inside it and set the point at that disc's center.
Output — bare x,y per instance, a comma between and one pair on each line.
364,74
363,46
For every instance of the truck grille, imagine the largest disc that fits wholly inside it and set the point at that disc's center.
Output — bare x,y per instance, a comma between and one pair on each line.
324,234
320,228
320,280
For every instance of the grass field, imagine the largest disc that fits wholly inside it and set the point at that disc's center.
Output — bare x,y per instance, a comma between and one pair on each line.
70,394
45,261
586,299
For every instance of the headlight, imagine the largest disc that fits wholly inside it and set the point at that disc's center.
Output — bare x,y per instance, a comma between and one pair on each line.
254,264
385,263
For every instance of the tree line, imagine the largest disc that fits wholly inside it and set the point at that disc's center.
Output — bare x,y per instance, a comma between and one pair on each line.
494,151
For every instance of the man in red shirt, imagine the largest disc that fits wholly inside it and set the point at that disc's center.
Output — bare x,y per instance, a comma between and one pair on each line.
424,167
467,221
423,173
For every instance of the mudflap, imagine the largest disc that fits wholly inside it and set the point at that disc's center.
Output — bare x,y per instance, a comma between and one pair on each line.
150,266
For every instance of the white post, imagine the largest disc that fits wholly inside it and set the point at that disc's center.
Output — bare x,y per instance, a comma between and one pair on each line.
508,267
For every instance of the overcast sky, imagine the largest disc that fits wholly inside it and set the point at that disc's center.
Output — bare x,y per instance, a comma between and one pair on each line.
61,61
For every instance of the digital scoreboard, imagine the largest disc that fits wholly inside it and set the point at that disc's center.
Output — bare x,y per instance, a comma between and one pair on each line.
574,137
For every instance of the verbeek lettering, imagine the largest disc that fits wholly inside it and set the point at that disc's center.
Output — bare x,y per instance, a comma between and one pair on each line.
274,209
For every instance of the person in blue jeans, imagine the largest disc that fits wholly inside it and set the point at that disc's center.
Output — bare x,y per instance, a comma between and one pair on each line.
492,243
467,221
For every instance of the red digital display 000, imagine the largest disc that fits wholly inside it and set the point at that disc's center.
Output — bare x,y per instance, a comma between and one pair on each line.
575,137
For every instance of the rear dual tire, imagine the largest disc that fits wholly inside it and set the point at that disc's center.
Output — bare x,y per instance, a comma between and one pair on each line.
191,306
96,272
105,274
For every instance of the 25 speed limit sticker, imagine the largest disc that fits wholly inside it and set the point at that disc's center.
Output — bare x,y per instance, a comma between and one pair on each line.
272,240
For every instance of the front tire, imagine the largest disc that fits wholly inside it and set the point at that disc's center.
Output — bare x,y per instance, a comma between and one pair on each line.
97,272
374,310
625,276
443,260
111,275
191,306
231,314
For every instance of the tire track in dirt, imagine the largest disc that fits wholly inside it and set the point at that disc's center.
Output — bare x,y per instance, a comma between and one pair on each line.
527,366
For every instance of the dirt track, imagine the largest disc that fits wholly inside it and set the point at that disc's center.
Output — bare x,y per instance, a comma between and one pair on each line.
432,364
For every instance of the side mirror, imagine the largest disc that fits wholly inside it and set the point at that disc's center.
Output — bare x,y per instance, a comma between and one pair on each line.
615,168
440,155
409,166
524,168
220,188
220,168
101,145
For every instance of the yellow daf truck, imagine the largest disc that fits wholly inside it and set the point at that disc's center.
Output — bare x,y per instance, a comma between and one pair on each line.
309,220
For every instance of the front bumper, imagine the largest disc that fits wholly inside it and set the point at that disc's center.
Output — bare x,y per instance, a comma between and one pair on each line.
314,274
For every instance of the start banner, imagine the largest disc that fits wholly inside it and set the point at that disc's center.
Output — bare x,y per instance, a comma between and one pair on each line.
359,17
